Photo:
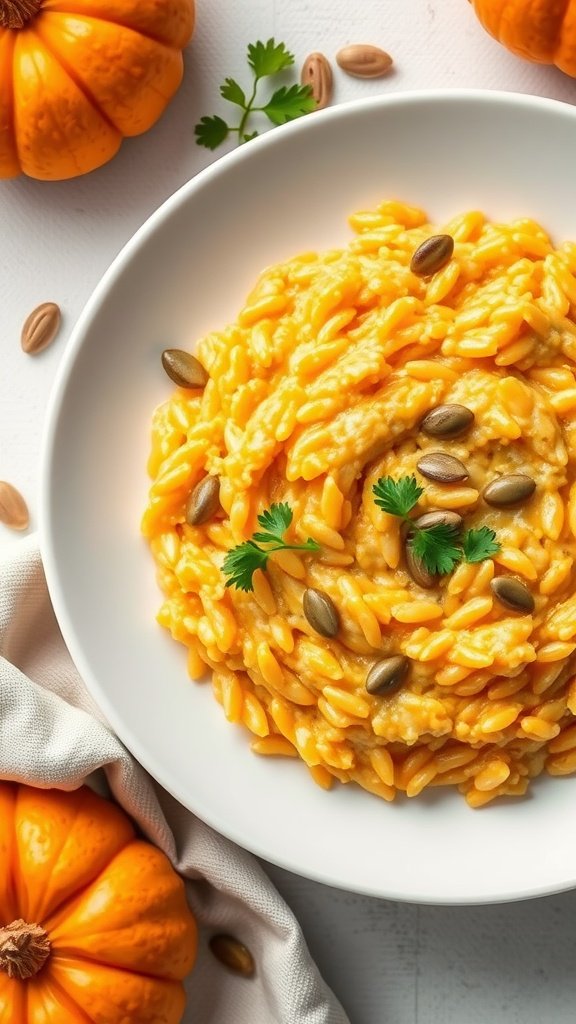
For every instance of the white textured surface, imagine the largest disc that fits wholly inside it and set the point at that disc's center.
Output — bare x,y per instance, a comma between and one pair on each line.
388,963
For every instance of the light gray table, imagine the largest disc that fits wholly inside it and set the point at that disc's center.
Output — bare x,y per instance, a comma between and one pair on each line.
388,963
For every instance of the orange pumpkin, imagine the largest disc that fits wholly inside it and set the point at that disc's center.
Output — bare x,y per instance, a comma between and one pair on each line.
76,76
540,30
94,924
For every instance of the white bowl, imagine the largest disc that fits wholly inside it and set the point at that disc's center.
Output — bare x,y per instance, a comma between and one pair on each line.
185,272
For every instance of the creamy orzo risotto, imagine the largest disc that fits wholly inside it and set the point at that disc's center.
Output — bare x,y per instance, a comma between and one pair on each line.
350,653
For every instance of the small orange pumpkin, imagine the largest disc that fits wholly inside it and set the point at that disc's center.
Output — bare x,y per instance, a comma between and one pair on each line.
540,30
94,924
77,76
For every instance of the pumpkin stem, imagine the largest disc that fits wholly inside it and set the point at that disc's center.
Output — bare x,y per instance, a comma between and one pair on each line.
17,13
24,949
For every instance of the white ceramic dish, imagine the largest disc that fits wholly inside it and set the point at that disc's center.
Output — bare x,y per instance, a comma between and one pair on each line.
185,272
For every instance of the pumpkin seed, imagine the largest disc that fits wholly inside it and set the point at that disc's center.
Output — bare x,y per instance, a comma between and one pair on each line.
184,369
40,328
13,508
510,490
204,501
447,421
233,954
432,255
321,612
512,594
418,570
443,468
439,517
387,675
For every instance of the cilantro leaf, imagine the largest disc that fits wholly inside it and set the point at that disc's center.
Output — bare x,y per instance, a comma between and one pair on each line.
437,549
248,138
268,58
288,103
241,563
276,519
232,92
211,132
479,544
397,497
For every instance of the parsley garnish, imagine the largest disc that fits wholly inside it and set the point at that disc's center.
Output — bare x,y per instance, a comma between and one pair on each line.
241,562
437,548
440,547
397,497
479,544
286,104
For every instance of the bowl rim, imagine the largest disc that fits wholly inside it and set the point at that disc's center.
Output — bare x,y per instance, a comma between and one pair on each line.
115,720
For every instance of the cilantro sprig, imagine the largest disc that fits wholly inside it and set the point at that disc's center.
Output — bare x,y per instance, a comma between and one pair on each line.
440,547
287,103
241,562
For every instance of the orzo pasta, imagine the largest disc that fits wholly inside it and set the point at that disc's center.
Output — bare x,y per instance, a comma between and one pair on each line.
318,391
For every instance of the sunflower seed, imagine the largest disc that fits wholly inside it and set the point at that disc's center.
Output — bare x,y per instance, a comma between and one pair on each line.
40,328
364,61
432,255
447,421
510,490
387,675
512,594
184,369
13,508
443,468
204,501
233,954
321,612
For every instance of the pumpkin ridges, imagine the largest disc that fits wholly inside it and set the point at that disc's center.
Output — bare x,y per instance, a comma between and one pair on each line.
72,72
101,924
171,24
47,997
533,29
9,163
62,848
12,1002
111,996
48,149
86,47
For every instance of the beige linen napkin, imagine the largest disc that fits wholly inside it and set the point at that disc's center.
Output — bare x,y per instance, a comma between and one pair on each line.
53,735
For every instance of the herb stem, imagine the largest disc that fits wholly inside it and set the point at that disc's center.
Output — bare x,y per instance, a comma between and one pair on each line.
247,110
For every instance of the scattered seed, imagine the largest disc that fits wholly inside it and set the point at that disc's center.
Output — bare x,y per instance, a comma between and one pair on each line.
507,491
40,328
233,954
443,468
432,255
317,73
447,421
184,369
439,517
321,612
364,61
418,570
13,508
204,501
512,594
387,675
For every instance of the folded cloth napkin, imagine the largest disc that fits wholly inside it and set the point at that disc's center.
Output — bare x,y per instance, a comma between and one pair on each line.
53,735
